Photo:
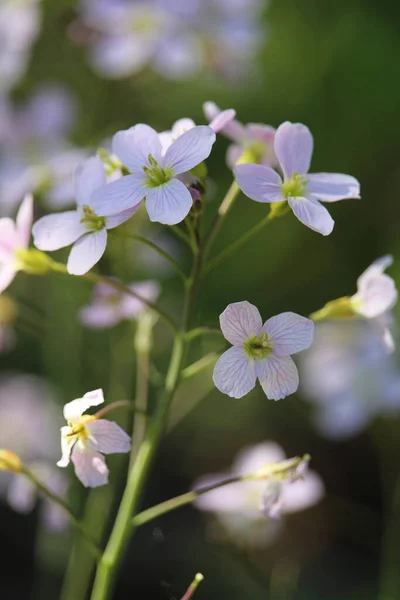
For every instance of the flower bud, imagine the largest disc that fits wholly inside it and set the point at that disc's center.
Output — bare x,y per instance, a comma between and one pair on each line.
33,261
341,308
10,461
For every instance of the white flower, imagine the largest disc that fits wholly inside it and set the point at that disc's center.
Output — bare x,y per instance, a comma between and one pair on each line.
13,238
87,438
260,351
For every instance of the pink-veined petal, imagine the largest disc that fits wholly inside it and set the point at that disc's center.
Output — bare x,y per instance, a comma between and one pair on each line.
259,182
293,147
75,409
86,252
278,376
169,203
234,373
89,177
8,239
7,274
119,196
133,146
108,437
58,230
190,149
116,220
289,333
239,321
90,467
67,443
331,187
312,214
24,221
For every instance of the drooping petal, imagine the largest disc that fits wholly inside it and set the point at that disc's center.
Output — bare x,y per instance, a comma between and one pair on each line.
190,149
8,239
289,333
278,376
108,437
86,252
222,120
293,147
303,493
259,182
67,443
116,220
75,409
169,203
24,221
331,187
133,146
376,295
312,214
120,195
56,231
234,373
90,467
7,274
239,321
89,177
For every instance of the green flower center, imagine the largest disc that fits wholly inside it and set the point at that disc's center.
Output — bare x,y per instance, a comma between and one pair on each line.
258,346
90,220
257,150
295,186
155,174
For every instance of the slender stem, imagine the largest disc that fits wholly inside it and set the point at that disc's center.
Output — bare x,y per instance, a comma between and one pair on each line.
180,234
199,331
224,207
199,365
119,404
192,235
193,587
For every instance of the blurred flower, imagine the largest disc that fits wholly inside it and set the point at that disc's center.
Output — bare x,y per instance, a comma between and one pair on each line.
254,141
293,147
8,314
260,351
81,227
14,237
109,307
154,177
86,439
247,510
349,377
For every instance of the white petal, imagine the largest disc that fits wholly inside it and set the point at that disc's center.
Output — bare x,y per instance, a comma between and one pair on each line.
120,195
234,373
222,120
259,182
58,230
252,458
289,333
134,145
89,177
376,268
330,187
239,321
86,252
293,147
190,149
8,239
108,437
376,296
75,409
7,274
278,376
66,444
312,214
181,126
24,220
303,493
169,203
90,467
116,220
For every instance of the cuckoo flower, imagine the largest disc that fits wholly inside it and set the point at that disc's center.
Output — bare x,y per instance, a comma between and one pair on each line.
81,227
154,177
85,439
260,351
302,190
14,237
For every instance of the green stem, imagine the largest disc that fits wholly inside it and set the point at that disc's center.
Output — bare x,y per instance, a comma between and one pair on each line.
199,331
193,587
224,207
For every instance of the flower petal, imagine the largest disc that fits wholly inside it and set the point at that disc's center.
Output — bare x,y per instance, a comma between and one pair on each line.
259,182
377,267
89,177
376,296
58,230
312,214
8,239
169,203
239,321
75,409
120,195
24,220
116,220
22,495
293,147
289,333
222,120
181,126
234,373
233,130
303,493
67,443
278,376
7,274
134,145
108,437
99,316
330,187
90,467
86,252
190,149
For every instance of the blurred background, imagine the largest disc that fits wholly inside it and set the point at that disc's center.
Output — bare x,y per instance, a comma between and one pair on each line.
71,75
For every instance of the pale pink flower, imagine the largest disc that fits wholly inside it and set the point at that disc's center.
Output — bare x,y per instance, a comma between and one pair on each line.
14,236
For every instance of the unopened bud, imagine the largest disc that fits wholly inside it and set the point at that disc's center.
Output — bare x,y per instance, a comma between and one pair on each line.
341,308
33,261
9,461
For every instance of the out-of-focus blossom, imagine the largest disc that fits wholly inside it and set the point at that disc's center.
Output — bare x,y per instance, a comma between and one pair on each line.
14,237
154,177
253,142
8,314
350,378
81,227
260,351
85,439
293,147
108,306
248,510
